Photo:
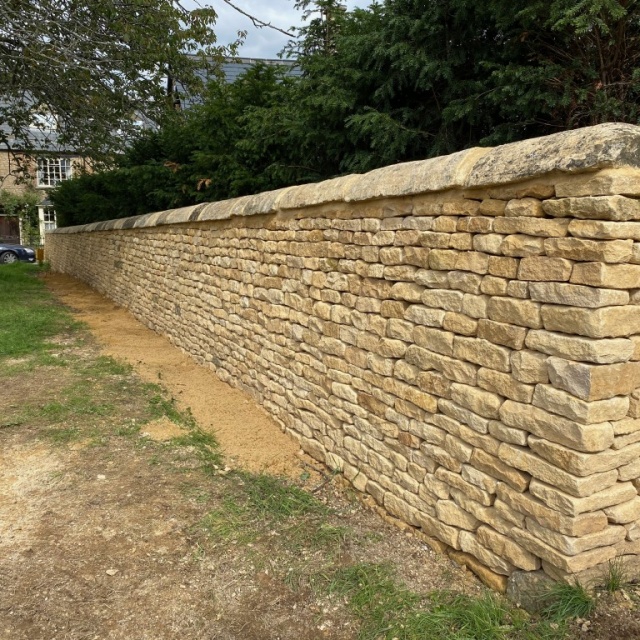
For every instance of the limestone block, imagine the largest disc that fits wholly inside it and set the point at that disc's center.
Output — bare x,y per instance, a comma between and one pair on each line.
433,526
527,207
469,543
602,230
464,281
626,426
583,464
434,383
571,564
625,512
452,368
434,339
525,460
424,315
457,448
445,224
480,479
463,415
485,514
542,268
521,246
543,228
570,524
416,256
407,291
460,323
564,404
506,548
401,509
481,402
594,208
475,224
572,546
432,279
529,366
400,329
606,322
482,352
442,299
575,295
445,259
629,471
571,505
518,289
579,348
458,485
497,468
488,243
474,306
594,382
610,251
491,207
503,433
473,261
615,276
519,312
504,385
586,438
607,182
450,513
503,267
494,286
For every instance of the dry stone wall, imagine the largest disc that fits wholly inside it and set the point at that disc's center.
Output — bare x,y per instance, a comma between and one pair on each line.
460,337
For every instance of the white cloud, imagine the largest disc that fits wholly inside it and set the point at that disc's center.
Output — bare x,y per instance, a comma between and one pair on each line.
264,42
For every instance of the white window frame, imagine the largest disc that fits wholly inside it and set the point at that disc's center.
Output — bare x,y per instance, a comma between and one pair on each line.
45,213
52,171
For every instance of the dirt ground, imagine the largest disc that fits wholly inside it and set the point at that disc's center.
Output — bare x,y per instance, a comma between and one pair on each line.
247,435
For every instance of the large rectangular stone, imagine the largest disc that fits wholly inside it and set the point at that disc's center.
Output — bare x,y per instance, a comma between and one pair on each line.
539,227
602,230
524,460
579,348
594,208
614,276
470,544
594,382
576,295
505,385
611,251
606,182
564,404
607,322
571,564
501,333
587,438
481,402
523,313
482,352
496,468
571,525
542,268
505,547
573,506
583,464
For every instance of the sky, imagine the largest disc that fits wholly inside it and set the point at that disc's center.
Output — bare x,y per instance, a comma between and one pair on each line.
259,43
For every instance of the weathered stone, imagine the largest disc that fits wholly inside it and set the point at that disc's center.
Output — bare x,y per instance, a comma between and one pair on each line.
587,438
611,251
434,340
503,384
594,382
503,433
541,268
580,348
607,322
607,182
523,459
464,281
571,525
572,564
575,295
432,526
475,305
594,208
503,267
572,546
496,468
615,276
406,291
488,577
470,544
602,230
460,323
519,312
482,352
455,483
442,299
450,513
477,400
529,366
573,506
625,512
532,227
583,464
501,333
530,207
564,404
506,548
521,246
453,369
424,315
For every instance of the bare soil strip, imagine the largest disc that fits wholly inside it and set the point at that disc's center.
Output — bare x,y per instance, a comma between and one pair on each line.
248,437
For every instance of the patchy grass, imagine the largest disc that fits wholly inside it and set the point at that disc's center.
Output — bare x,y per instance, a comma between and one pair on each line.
616,576
567,601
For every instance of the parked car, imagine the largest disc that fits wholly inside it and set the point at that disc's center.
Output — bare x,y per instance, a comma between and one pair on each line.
13,252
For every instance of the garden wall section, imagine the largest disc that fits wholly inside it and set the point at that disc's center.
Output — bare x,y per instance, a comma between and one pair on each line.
460,336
